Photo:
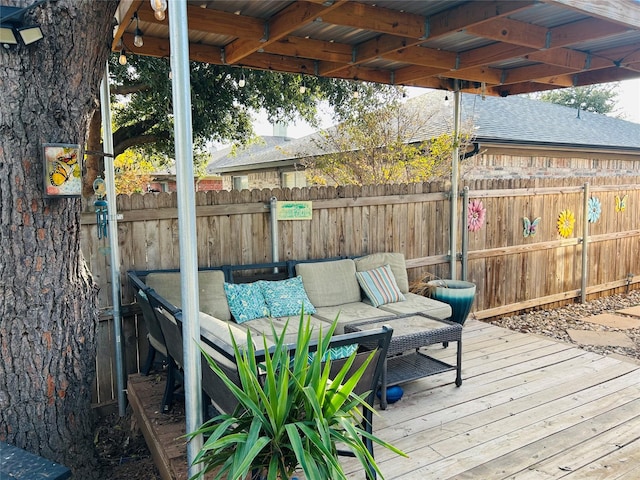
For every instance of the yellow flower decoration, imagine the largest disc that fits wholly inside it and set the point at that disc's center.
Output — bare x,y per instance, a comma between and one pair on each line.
566,221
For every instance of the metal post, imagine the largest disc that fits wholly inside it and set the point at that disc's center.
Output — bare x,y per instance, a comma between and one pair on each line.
112,215
181,90
465,232
585,242
274,231
455,160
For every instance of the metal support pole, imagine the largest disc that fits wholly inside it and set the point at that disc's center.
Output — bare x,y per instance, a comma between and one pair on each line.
181,90
112,215
455,160
465,232
585,243
273,204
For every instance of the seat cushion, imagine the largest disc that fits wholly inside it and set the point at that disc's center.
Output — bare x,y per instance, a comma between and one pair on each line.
395,260
222,330
349,313
263,326
330,283
418,304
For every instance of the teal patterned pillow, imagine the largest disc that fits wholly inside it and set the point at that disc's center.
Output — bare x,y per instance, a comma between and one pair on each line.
245,301
336,353
286,298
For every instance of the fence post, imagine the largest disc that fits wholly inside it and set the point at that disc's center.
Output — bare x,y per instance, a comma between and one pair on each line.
585,242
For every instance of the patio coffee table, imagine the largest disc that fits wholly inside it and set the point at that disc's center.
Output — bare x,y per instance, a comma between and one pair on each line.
405,362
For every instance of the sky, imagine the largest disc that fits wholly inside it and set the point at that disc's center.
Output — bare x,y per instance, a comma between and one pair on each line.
628,108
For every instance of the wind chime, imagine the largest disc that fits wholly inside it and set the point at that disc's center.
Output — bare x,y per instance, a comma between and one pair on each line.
102,217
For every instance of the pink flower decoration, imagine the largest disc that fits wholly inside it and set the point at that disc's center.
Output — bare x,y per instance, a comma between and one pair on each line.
475,215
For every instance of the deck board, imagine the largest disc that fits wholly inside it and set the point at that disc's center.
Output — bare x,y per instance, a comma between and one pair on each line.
529,408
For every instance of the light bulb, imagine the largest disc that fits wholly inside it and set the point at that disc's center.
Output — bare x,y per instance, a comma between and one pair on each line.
137,39
158,5
242,82
303,88
122,59
356,93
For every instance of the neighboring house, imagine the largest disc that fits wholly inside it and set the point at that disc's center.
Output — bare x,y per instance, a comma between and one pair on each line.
166,182
516,136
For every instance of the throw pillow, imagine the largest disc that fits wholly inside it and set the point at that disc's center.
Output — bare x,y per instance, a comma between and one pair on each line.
286,298
380,286
336,353
245,301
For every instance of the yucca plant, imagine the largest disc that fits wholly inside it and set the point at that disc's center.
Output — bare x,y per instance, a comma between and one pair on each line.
291,414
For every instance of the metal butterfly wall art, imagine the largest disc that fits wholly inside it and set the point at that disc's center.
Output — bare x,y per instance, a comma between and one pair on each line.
530,228
621,203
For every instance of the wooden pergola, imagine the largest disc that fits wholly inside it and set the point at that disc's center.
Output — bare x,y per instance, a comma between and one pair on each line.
493,47
488,47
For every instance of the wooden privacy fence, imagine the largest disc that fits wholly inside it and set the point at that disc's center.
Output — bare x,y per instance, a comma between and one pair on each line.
512,271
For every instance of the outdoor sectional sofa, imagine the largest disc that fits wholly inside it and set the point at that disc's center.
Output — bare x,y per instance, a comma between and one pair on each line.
259,296
264,297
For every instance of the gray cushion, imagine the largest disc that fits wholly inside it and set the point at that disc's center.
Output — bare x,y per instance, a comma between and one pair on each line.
221,330
330,283
418,304
212,297
394,260
263,326
349,313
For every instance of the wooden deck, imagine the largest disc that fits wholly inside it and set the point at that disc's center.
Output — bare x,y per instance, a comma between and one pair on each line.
529,408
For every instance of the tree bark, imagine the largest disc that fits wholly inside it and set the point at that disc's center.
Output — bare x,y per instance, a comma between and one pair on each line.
48,299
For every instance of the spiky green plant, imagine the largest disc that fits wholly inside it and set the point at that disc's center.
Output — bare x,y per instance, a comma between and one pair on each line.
291,414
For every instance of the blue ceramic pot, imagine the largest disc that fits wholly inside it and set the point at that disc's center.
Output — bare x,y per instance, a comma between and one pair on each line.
457,293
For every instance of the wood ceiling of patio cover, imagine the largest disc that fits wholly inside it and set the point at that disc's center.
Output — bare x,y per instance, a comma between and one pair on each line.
491,47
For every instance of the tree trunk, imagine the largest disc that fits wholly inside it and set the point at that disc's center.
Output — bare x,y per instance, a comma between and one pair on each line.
48,299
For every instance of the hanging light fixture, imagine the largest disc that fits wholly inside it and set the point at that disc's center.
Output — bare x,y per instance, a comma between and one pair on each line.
303,87
122,59
243,81
159,7
137,35
356,92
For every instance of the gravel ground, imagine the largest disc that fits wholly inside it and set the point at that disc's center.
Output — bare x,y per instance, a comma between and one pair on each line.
554,323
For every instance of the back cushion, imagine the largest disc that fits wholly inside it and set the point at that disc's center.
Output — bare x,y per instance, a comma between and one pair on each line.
330,283
213,299
394,260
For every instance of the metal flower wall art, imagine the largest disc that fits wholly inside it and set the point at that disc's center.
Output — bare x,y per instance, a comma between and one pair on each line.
594,209
621,203
530,228
566,221
476,214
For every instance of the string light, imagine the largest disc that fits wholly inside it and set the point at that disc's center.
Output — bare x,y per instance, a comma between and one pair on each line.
242,82
122,59
137,38
159,7
303,88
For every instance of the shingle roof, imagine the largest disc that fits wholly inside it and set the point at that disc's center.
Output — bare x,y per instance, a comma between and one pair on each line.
516,120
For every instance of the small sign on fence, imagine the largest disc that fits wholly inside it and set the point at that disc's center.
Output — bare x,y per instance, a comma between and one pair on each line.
291,210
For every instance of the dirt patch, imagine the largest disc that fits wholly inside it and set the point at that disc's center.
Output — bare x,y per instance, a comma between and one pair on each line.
122,450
